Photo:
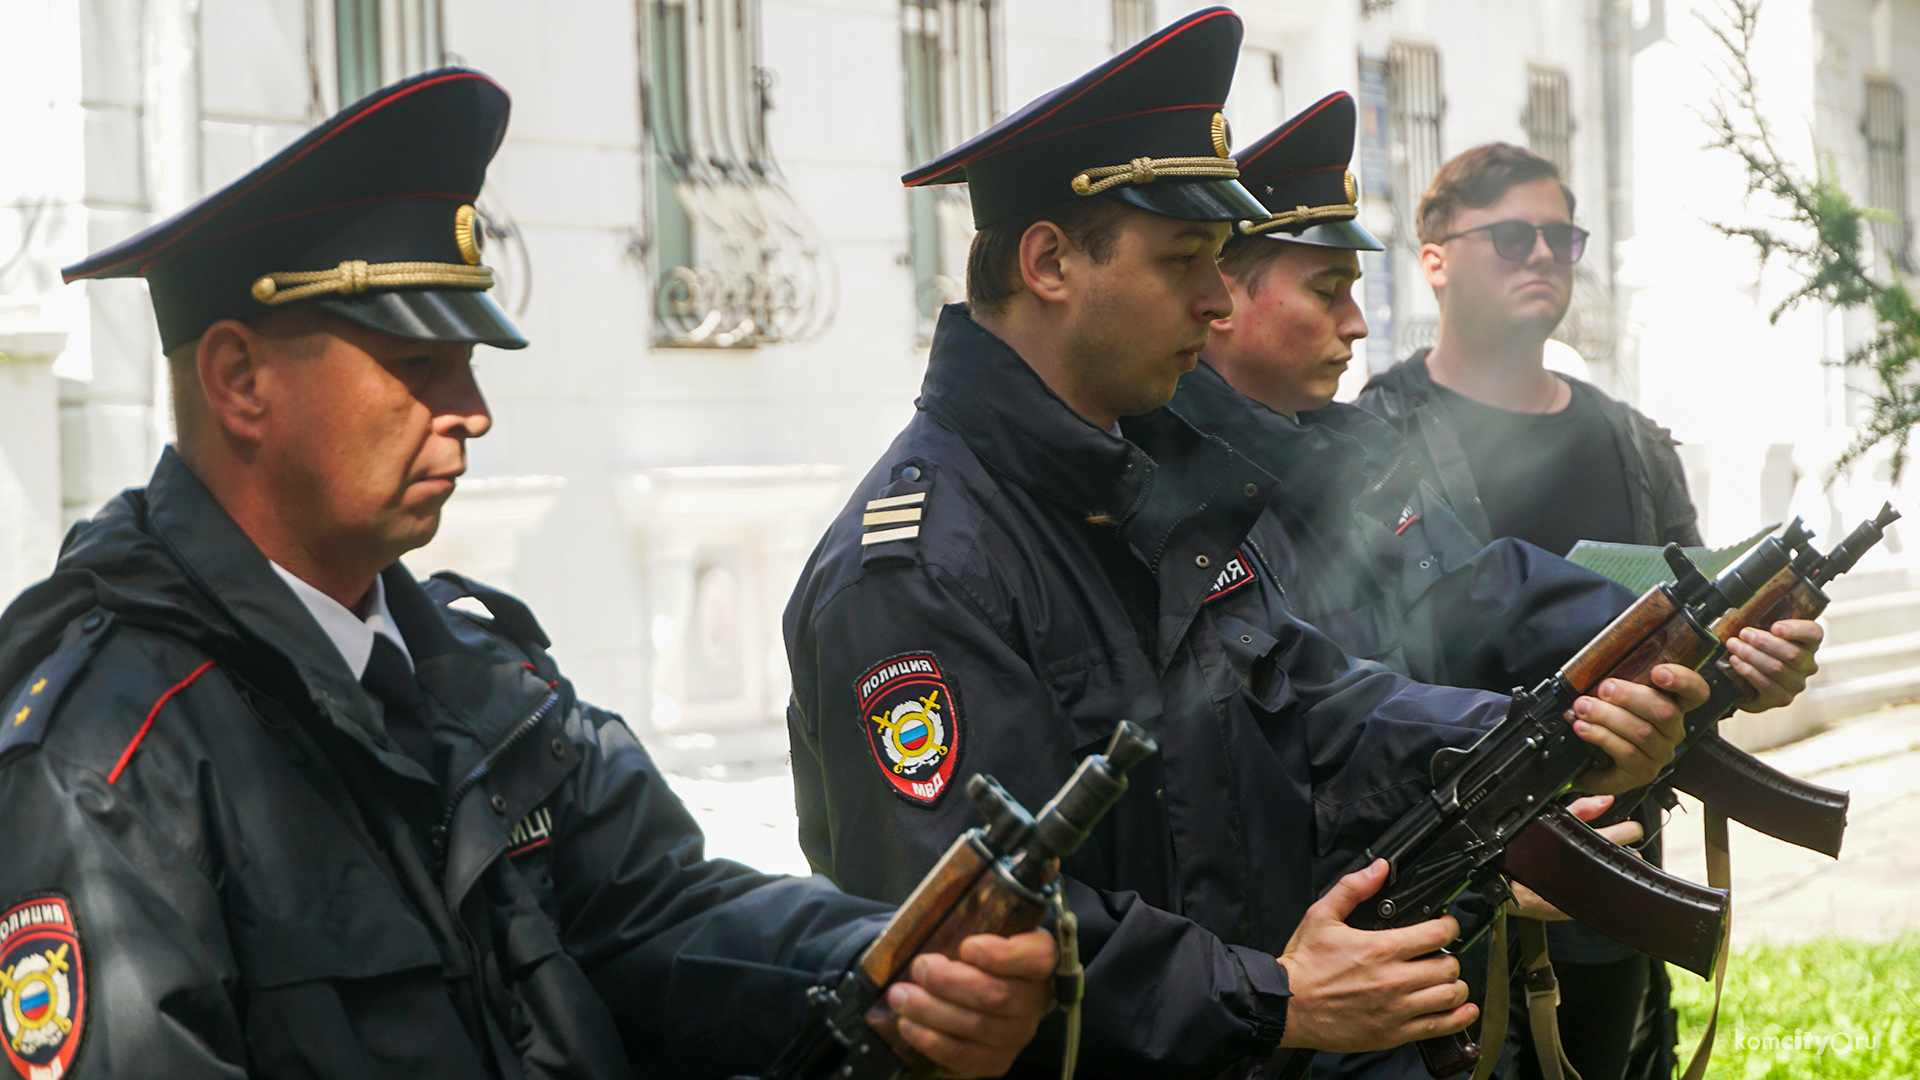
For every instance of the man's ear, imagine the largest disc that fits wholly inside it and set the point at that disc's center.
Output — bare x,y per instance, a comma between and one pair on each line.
1433,263
1044,249
1224,324
229,365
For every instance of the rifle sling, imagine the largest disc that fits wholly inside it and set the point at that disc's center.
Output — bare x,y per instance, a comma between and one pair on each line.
1719,876
1543,1002
1493,1015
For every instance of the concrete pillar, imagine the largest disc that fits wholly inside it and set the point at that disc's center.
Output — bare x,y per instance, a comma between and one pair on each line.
30,522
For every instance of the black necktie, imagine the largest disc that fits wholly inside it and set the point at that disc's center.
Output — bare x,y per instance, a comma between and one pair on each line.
390,678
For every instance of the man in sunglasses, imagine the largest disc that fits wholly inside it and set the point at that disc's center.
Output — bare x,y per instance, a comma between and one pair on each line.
1519,451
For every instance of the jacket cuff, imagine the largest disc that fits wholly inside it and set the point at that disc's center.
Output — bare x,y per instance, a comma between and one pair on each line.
1270,994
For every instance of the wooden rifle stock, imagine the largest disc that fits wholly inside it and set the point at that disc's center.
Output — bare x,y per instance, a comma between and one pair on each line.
1001,878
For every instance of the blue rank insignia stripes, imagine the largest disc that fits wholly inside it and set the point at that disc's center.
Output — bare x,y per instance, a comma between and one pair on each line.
913,724
43,987
1234,576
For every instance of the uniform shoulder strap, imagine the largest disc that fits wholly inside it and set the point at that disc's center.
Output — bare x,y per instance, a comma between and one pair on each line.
29,712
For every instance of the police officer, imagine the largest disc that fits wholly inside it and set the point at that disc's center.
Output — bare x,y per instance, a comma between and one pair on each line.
1046,549
277,809
1367,551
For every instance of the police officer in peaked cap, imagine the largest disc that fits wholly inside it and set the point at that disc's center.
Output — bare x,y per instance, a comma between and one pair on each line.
1366,550
1045,549
278,809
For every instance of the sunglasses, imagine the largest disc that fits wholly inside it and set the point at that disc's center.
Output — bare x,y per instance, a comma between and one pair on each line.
1513,240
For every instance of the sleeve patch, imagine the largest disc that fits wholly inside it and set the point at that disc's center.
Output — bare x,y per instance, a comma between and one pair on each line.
1234,576
913,724
43,987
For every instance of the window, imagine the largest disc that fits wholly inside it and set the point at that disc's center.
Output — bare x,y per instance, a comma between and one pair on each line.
735,261
1415,106
1132,22
1886,131
1549,117
948,50
383,41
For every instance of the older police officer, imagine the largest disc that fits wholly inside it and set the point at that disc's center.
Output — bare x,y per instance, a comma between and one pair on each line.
280,811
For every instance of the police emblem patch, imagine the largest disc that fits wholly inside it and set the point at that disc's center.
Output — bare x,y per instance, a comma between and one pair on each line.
43,989
1235,575
913,724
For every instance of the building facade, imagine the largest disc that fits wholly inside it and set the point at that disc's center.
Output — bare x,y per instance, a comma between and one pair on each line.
697,219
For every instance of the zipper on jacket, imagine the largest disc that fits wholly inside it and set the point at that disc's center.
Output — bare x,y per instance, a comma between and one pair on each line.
479,772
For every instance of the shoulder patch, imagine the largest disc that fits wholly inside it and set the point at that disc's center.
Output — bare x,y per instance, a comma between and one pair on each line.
534,831
1237,574
43,987
24,723
913,723
891,521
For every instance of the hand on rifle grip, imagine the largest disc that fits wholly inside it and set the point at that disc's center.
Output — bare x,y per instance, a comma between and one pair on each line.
1370,989
973,1015
1637,726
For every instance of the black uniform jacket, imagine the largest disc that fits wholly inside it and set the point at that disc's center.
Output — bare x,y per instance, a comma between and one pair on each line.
1373,557
1662,510
264,884
1060,579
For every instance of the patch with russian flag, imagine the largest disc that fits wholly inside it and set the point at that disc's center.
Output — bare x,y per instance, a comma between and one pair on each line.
43,987
913,724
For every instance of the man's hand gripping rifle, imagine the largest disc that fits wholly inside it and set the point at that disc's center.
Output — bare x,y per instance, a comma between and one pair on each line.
1729,779
1488,794
1001,878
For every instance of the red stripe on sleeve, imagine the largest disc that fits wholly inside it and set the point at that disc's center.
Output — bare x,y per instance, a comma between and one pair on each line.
127,754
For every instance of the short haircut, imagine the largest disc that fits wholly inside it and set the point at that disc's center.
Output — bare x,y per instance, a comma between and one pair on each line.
297,328
1477,179
1246,259
1092,225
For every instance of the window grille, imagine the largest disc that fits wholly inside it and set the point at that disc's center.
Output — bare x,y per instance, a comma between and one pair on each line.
1886,131
1549,117
383,41
1132,22
1415,107
948,52
736,263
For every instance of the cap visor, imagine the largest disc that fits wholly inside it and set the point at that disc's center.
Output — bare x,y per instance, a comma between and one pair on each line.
1200,200
462,316
1349,235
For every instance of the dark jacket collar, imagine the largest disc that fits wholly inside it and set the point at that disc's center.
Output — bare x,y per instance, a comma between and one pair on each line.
979,388
1317,460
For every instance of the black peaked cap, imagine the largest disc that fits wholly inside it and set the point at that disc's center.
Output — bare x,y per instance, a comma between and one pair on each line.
1299,172
369,216
1158,104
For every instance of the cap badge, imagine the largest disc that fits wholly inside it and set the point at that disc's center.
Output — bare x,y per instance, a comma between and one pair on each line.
1353,189
470,233
1222,136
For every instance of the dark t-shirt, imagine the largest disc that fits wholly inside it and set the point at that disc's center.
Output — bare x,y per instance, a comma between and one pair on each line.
1550,479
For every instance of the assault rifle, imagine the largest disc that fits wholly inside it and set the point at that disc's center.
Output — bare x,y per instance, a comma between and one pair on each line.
1729,779
1001,878
1488,794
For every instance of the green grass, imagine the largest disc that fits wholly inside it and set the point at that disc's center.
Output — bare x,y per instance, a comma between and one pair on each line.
1866,993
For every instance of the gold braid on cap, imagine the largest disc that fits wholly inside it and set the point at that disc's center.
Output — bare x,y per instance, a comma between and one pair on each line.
1300,215
354,276
1146,170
